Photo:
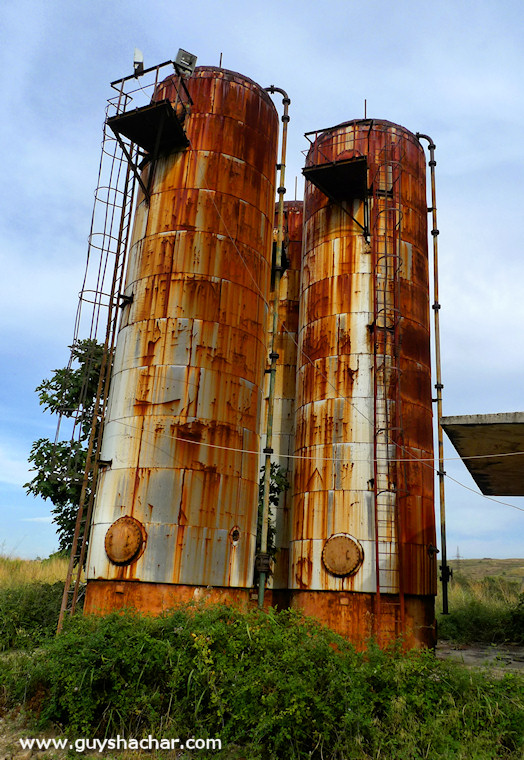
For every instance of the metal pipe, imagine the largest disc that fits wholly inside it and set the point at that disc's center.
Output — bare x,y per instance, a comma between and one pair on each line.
445,573
273,356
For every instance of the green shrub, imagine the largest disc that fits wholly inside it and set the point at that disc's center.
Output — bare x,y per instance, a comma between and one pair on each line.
517,621
28,614
276,685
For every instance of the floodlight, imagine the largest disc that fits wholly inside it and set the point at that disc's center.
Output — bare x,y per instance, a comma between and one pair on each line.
185,61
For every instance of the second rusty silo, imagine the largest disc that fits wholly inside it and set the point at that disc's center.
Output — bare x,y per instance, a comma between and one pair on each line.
176,505
362,551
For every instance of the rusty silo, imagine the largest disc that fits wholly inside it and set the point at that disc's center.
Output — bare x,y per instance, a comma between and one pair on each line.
176,506
362,554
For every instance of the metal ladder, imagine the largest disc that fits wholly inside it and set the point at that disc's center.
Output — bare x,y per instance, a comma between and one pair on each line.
119,172
107,250
387,418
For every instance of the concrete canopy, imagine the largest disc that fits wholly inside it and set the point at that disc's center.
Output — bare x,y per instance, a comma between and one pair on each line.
479,435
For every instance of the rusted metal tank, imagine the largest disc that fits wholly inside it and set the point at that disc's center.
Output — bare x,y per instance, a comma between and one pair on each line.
362,535
176,509
285,390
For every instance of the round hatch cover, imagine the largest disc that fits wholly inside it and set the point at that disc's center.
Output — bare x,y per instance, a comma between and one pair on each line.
124,540
342,554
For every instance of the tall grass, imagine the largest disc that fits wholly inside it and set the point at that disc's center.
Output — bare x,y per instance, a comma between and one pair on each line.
271,685
30,597
18,572
490,611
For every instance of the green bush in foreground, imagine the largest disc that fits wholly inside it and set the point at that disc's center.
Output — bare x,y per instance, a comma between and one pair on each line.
273,685
29,614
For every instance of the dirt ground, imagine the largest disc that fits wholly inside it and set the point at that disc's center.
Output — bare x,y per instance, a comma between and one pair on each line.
500,658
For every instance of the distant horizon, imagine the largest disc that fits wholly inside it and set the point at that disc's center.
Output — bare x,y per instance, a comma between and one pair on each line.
450,558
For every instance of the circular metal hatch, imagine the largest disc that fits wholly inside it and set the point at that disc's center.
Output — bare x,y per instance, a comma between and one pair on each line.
124,540
342,554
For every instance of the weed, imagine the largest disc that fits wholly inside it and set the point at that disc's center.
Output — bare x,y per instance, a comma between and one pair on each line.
276,685
28,614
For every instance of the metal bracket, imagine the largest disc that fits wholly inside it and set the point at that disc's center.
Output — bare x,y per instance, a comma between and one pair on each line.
263,563
125,300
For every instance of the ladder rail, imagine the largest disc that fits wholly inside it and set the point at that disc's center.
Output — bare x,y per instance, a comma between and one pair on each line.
108,241
120,224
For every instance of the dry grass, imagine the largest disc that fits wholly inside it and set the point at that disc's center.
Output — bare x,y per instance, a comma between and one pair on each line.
496,592
490,610
17,572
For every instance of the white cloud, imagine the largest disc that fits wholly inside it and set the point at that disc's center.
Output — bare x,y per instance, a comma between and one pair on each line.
37,519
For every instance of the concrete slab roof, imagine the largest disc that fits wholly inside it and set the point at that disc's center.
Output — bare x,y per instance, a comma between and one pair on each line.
479,435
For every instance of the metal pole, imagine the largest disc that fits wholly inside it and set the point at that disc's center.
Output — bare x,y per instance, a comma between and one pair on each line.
273,356
445,572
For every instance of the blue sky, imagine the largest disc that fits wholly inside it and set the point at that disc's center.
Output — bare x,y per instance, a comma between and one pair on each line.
451,70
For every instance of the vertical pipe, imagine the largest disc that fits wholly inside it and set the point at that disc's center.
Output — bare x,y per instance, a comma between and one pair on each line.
272,354
438,376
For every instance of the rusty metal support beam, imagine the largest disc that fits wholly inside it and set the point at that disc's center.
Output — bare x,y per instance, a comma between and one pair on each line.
133,166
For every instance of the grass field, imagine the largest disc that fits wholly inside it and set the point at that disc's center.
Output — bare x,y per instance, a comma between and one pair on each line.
476,569
17,572
486,603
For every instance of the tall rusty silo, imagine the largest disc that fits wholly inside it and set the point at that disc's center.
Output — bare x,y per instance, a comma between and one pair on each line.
362,533
176,507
